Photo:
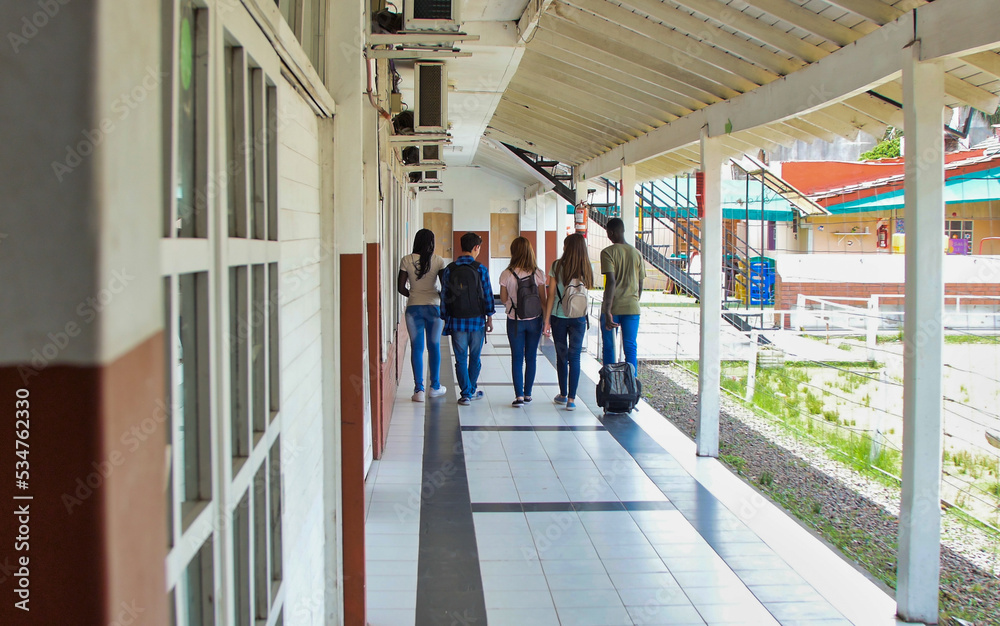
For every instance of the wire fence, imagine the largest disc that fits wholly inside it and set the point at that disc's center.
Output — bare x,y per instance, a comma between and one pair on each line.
871,443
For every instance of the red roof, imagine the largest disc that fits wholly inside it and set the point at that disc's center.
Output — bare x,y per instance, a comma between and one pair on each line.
827,182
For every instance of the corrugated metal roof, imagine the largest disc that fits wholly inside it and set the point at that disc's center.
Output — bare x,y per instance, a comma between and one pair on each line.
599,73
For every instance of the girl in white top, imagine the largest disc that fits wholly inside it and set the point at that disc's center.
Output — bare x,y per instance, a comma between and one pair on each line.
522,290
418,282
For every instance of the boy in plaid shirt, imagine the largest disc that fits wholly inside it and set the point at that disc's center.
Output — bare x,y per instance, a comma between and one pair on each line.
467,310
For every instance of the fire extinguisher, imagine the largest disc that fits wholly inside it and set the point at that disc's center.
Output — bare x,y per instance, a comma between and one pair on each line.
580,218
882,236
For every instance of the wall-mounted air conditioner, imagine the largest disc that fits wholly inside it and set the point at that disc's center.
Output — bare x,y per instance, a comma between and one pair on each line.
437,15
431,95
432,154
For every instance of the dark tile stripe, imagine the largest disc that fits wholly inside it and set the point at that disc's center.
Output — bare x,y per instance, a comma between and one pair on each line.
533,428
449,582
714,521
545,507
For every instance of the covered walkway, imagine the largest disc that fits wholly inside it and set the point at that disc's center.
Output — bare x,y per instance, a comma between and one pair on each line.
543,516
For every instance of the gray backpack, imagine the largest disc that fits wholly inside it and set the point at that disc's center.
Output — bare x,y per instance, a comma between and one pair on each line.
574,300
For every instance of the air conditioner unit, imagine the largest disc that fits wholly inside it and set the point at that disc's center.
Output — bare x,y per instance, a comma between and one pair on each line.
431,153
434,15
431,95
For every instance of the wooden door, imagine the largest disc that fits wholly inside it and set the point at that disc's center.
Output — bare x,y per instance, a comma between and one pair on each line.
440,225
504,229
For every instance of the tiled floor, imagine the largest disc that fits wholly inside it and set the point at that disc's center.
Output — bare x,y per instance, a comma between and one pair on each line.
493,514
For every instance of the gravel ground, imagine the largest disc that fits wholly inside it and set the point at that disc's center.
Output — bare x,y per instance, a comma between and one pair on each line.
851,510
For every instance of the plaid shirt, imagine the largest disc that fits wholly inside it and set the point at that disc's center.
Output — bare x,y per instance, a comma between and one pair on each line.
471,323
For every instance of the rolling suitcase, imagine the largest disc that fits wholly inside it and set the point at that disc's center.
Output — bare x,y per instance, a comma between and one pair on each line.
618,389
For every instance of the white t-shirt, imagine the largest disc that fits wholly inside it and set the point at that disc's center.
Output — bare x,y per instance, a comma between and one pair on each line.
423,291
509,280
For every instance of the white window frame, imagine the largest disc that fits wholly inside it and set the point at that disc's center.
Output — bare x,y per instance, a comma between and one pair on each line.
212,255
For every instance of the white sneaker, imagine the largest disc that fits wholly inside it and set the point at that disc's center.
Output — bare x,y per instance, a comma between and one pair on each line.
440,391
418,397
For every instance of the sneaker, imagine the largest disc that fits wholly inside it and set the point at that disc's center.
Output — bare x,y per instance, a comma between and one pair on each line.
437,391
464,401
478,395
527,399
418,396
517,403
570,405
560,399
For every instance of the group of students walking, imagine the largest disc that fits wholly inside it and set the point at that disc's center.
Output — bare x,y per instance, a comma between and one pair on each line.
553,303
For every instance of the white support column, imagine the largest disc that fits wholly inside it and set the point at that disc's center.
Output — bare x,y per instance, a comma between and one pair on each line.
920,513
627,177
710,353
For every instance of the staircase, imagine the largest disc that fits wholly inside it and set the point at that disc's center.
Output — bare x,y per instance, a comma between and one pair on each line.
669,212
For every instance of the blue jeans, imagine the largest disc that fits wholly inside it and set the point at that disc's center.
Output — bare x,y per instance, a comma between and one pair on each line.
467,345
424,320
629,325
524,336
567,334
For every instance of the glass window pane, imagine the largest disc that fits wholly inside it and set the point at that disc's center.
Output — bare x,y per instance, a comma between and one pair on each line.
274,487
257,163
258,359
239,384
192,108
273,306
241,561
237,141
272,163
193,387
172,607
261,586
198,584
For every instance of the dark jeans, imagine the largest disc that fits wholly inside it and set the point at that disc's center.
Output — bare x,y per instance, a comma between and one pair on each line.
567,334
467,346
524,336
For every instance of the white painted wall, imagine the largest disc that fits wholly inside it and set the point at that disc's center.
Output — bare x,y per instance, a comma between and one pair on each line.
300,353
82,204
879,268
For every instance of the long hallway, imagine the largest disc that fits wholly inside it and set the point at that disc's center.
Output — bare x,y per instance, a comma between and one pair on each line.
544,516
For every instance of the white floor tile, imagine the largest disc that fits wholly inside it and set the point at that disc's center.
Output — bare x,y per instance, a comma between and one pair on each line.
522,617
518,599
579,581
594,567
595,616
390,617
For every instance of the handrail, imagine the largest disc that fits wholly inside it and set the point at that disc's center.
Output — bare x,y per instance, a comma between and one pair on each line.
986,239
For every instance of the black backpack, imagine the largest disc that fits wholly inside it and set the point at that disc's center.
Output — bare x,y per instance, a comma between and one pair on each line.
528,304
618,390
465,292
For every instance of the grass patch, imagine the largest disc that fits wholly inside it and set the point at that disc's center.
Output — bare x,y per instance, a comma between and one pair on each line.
895,338
814,403
766,479
994,340
736,462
